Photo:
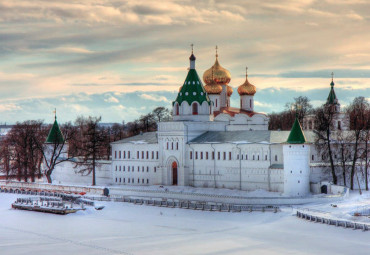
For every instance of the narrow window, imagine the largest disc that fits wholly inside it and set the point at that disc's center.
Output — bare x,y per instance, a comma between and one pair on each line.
258,157
120,168
312,157
253,157
152,154
276,158
116,168
157,155
196,155
216,102
177,109
207,155
201,155
142,154
224,155
241,103
230,157
124,154
116,179
172,146
115,154
265,157
128,180
167,146
147,181
137,154
195,108
129,154
191,155
133,181
119,154
155,169
124,168
147,169
246,156
218,155
250,103
339,125
138,180
142,169
142,180
120,180
147,154
124,180
138,168
177,146
213,155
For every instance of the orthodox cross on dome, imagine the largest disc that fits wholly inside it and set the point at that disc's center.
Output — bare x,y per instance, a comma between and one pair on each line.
216,51
332,75
192,48
55,113
246,71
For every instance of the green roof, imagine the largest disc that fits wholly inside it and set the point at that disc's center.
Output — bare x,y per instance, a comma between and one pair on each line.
55,135
192,90
332,98
296,134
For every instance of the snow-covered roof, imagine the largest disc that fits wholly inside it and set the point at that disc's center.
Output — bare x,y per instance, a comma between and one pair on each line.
245,137
144,138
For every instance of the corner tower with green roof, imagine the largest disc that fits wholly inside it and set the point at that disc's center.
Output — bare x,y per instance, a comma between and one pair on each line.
55,135
192,102
296,153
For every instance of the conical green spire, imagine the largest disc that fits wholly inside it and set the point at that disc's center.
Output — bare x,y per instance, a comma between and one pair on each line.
192,89
55,135
296,135
332,98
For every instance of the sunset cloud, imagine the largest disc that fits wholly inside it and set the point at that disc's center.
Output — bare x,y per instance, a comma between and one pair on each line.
90,54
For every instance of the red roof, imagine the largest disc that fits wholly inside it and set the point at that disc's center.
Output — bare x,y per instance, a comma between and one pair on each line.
232,111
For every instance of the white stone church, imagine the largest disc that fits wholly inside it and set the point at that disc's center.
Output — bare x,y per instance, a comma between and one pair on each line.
211,144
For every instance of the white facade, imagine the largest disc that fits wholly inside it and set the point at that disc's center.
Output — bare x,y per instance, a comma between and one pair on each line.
296,169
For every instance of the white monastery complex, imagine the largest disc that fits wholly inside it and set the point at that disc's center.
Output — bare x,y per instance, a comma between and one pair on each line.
211,144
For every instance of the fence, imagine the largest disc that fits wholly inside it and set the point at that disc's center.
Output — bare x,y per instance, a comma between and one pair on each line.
335,222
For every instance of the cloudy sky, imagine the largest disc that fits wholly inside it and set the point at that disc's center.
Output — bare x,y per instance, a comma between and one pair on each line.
120,59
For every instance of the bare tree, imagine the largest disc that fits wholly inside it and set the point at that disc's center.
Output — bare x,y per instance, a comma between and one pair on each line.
323,130
301,106
358,116
90,146
54,150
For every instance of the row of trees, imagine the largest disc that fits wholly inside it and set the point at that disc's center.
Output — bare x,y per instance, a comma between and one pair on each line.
23,150
345,152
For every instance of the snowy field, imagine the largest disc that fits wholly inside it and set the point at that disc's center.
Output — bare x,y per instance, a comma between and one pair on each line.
123,228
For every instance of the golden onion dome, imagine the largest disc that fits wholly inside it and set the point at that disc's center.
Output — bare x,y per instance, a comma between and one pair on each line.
247,88
213,88
220,75
229,90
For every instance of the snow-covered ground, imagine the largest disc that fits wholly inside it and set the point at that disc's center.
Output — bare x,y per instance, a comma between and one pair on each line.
122,228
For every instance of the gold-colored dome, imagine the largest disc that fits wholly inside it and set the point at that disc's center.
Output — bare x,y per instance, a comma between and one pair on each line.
213,88
247,88
220,75
229,90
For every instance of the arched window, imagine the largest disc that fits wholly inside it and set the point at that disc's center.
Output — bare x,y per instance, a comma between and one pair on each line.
216,102
195,108
241,103
250,103
177,109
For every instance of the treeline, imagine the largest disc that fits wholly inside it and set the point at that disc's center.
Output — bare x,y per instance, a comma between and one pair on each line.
24,155
341,139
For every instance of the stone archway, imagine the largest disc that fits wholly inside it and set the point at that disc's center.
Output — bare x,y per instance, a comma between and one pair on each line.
324,189
174,173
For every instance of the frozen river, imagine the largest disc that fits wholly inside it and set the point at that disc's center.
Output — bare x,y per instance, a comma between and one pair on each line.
123,228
